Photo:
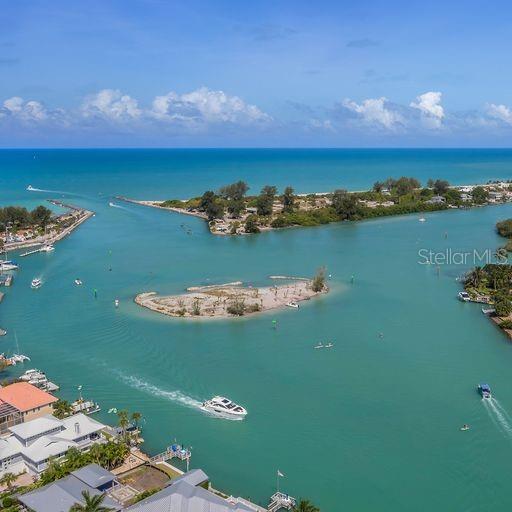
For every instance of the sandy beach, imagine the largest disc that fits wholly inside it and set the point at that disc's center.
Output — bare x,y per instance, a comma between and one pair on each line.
228,300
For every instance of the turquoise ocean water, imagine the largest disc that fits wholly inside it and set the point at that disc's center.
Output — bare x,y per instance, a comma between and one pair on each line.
372,424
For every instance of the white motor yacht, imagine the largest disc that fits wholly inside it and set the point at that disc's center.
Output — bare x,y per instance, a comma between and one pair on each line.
223,405
47,248
8,265
36,283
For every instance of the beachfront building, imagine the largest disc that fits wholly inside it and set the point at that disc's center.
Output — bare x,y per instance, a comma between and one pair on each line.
31,402
60,496
436,200
29,445
188,493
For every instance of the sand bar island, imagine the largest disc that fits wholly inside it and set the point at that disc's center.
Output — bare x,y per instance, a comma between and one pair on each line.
234,299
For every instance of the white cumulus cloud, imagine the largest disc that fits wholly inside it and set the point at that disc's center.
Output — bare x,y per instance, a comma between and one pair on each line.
206,106
500,112
374,111
18,108
111,104
429,104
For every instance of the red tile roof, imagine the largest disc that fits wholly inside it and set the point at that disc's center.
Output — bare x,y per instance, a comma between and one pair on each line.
25,397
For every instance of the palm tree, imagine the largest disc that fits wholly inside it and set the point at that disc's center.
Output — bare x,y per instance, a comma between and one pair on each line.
123,420
92,504
305,506
74,458
136,417
8,479
61,409
95,452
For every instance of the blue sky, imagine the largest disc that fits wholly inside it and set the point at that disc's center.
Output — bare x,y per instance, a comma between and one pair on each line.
267,73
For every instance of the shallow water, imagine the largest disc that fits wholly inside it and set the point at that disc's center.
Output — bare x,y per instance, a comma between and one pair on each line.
372,424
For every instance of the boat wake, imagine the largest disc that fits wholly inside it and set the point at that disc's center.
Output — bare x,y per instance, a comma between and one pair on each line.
114,205
173,396
499,415
30,188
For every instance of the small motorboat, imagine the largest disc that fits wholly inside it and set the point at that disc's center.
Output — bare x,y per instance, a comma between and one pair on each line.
485,391
224,406
464,427
319,345
116,303
292,304
30,188
3,332
47,248
78,282
36,283
329,345
464,296
422,219
111,204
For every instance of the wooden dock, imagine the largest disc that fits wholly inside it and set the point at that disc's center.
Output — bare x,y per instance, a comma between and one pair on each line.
279,501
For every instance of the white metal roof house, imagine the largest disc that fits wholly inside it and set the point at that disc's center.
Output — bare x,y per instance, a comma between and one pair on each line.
31,444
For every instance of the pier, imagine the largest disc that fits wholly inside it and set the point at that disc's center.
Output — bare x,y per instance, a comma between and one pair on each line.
279,501
34,251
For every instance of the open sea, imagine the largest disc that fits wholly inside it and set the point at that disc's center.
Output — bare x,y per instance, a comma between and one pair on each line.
370,425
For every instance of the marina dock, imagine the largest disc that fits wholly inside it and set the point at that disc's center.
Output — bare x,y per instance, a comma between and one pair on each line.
279,501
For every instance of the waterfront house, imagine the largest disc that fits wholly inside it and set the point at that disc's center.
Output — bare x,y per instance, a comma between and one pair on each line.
9,416
30,401
436,200
466,197
61,495
188,494
29,445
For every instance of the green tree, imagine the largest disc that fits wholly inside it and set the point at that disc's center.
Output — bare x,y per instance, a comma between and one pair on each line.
288,200
236,207
305,506
440,187
345,204
475,278
480,195
136,417
91,504
123,420
318,282
235,191
61,409
74,459
502,305
40,216
504,228
265,200
8,479
251,224
378,187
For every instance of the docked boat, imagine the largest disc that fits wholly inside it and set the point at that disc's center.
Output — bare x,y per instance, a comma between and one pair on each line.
485,391
464,296
8,265
36,283
85,406
222,405
47,248
18,358
78,282
292,304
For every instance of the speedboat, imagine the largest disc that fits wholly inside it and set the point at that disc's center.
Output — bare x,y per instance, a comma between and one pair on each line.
464,296
116,303
422,219
78,282
329,345
111,204
36,283
222,405
30,188
292,304
8,265
47,248
319,345
485,391
464,427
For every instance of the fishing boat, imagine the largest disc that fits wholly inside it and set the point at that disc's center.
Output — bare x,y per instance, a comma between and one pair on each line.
292,304
485,391
223,405
464,296
8,265
78,282
36,283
